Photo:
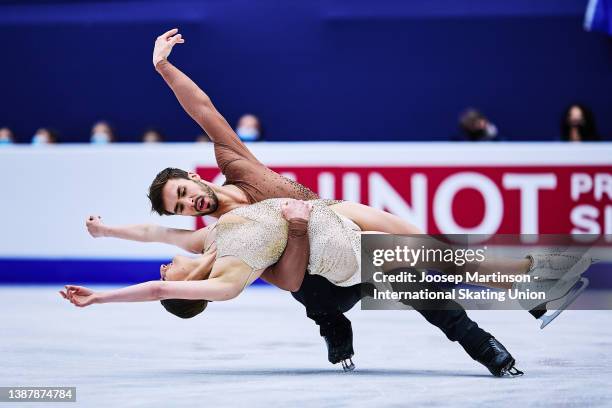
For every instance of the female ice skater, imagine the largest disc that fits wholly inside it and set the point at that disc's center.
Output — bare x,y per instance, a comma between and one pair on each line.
248,239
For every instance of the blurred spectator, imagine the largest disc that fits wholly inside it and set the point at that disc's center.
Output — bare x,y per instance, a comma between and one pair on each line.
102,133
578,124
476,126
152,136
6,137
44,136
202,138
249,128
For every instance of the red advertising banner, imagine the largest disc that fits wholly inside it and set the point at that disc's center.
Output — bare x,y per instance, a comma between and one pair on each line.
471,199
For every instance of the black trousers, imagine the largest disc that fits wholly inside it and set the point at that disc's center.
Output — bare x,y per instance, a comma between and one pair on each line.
325,303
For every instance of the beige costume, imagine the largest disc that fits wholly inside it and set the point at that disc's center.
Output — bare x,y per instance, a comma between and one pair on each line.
257,235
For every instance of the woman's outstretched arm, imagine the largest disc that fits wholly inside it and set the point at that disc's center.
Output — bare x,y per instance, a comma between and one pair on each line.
216,289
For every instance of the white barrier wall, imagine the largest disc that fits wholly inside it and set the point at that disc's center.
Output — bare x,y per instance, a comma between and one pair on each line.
451,188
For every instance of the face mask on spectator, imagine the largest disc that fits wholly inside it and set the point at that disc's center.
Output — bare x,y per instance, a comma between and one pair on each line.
247,134
5,141
39,139
491,131
100,138
488,132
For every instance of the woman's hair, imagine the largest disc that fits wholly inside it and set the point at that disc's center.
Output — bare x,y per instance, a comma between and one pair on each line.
186,308
183,308
588,131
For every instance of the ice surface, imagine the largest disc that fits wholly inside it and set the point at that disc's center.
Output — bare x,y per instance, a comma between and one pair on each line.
261,350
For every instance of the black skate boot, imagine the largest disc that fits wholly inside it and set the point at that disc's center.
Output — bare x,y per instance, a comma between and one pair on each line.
338,335
493,355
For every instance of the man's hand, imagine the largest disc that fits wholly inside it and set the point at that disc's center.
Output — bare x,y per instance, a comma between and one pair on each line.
95,226
296,209
164,44
79,296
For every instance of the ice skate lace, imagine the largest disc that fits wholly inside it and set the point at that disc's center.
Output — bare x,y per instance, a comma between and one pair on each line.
494,345
553,261
559,262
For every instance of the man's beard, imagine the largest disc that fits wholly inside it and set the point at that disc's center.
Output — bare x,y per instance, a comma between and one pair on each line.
213,202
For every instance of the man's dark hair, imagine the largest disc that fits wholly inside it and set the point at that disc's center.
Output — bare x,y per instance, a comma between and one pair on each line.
156,187
183,308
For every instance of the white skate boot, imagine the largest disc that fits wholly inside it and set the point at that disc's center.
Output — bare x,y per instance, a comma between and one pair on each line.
557,273
559,263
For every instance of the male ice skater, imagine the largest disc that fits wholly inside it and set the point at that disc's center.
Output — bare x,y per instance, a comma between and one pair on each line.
248,181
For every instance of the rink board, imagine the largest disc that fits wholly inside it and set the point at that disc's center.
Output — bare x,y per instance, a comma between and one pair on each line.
441,187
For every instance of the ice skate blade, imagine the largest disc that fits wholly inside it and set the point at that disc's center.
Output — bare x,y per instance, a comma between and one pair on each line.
571,296
348,365
513,372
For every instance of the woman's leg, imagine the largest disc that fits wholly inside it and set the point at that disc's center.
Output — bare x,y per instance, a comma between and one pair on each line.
370,220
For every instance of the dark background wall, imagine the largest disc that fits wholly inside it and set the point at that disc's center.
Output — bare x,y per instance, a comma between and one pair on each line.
312,70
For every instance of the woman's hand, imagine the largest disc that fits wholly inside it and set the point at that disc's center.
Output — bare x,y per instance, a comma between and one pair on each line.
79,296
95,226
292,209
164,44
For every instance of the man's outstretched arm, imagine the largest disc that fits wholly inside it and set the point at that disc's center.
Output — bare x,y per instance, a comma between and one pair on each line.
197,103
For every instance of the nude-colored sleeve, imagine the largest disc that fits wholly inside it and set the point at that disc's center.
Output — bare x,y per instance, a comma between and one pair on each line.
288,272
228,146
